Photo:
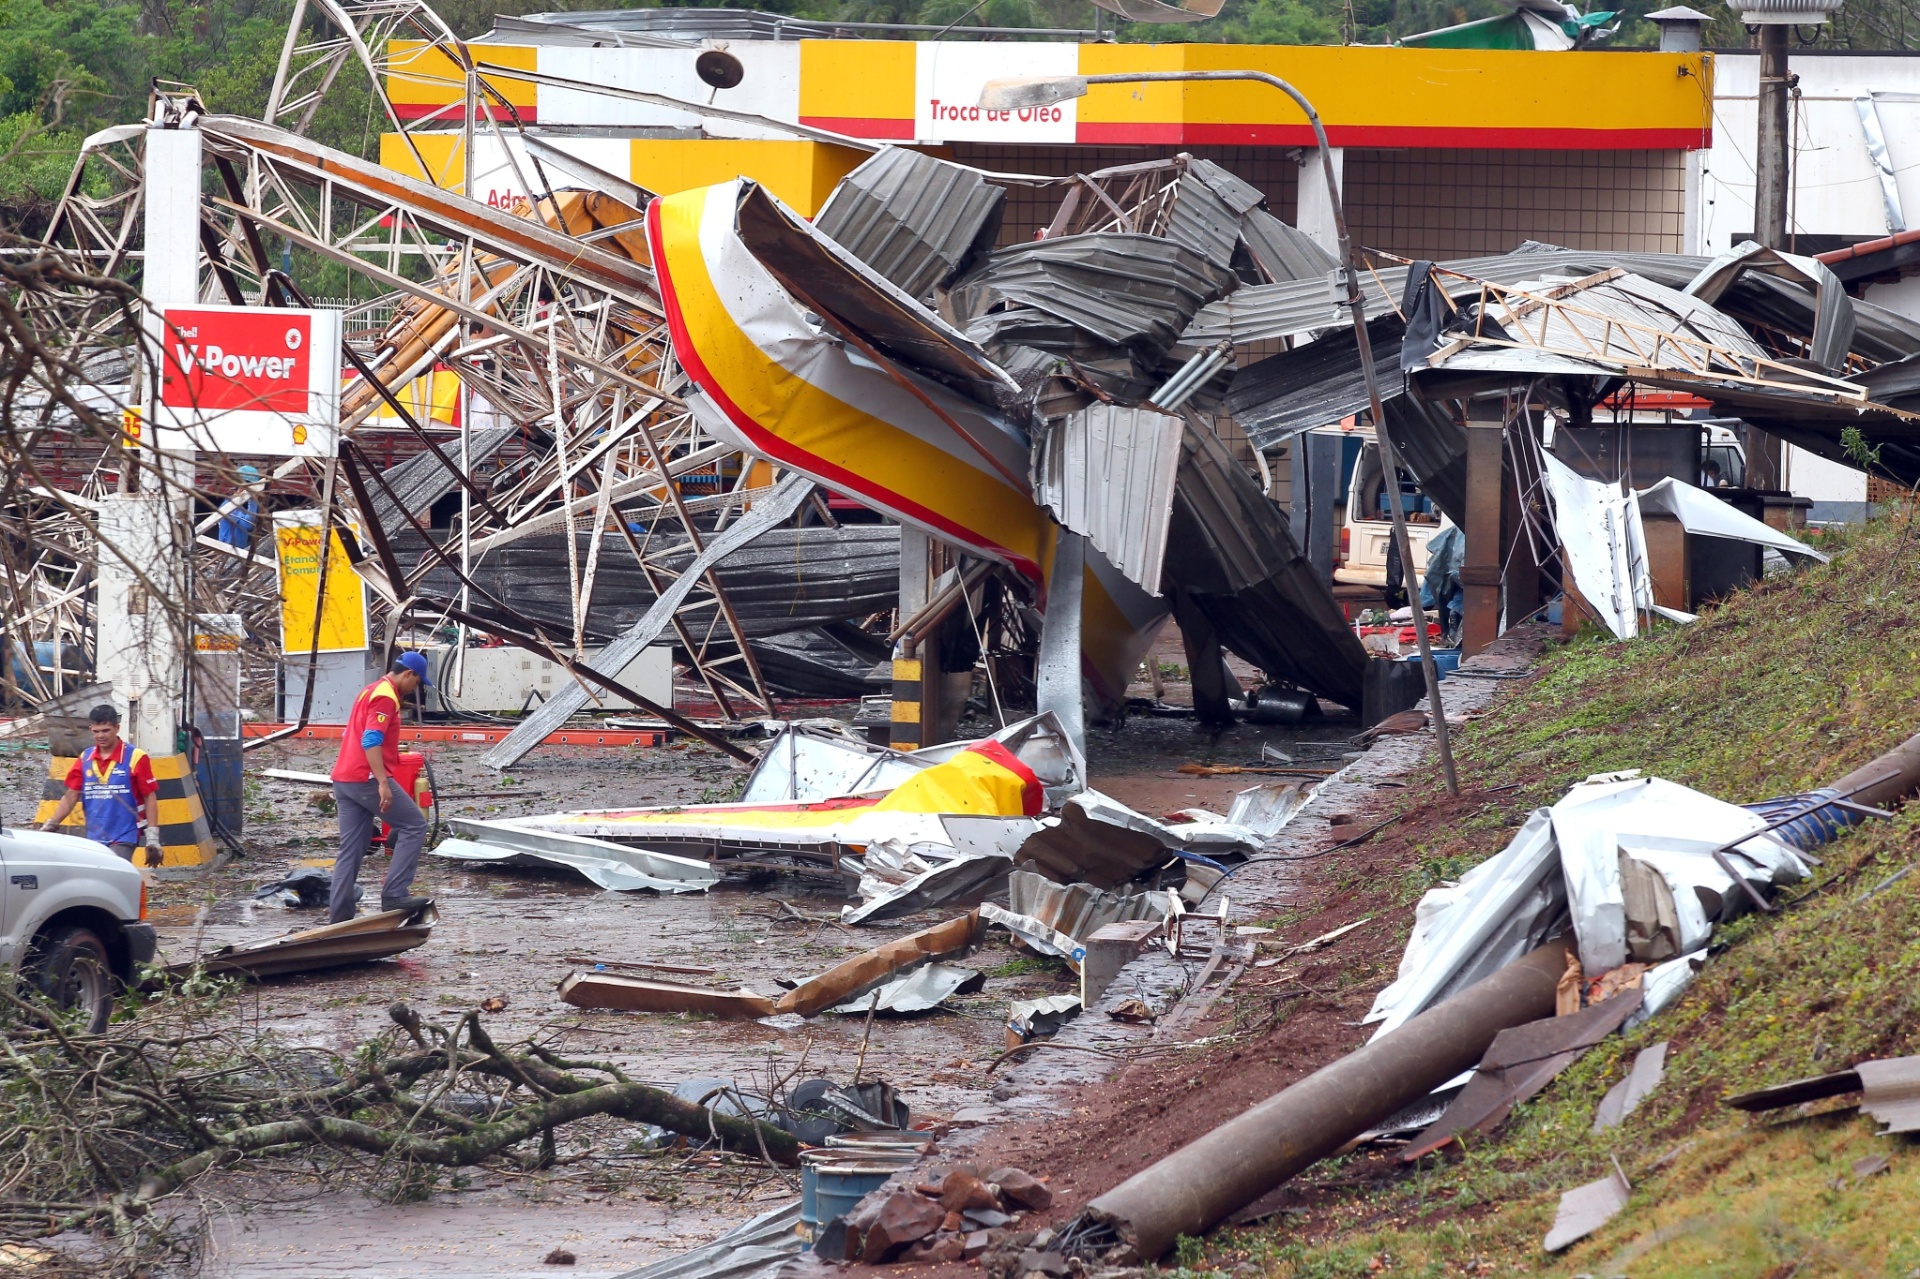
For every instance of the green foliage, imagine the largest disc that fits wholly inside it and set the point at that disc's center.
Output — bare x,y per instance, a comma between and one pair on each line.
35,162
1778,689
1854,443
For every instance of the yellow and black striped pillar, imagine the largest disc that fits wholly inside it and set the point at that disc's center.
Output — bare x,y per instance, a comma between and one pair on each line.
905,734
185,838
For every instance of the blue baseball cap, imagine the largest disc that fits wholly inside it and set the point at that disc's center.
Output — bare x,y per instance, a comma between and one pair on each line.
417,663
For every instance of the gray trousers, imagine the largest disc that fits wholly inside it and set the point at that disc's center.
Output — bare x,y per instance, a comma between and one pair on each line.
359,808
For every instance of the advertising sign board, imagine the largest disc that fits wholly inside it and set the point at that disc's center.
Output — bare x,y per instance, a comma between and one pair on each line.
233,379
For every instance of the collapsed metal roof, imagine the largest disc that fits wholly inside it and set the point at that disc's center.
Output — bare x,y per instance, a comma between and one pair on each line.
1108,472
1314,384
916,219
1233,556
1136,291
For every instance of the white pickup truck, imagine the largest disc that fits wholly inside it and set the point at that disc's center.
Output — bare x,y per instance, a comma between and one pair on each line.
72,920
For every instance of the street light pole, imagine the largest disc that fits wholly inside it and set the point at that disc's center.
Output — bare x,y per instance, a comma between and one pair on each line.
1012,94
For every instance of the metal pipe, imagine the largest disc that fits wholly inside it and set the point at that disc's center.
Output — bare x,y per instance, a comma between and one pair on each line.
1201,1184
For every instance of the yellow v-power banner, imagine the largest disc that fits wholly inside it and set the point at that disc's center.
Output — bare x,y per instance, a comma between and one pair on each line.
343,614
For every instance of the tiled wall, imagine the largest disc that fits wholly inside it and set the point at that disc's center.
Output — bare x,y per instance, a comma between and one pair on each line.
1271,169
1445,204
1423,203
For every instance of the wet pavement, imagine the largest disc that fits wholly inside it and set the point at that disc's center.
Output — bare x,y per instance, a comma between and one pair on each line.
515,934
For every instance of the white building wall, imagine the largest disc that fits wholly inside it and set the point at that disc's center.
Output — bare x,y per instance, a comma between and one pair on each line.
1836,191
1835,188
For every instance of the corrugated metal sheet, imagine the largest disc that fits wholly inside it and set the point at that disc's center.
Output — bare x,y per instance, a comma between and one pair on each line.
1234,559
1265,312
1240,195
1107,472
422,480
1315,384
756,1249
1137,291
788,580
1203,222
824,276
1283,252
915,219
1077,910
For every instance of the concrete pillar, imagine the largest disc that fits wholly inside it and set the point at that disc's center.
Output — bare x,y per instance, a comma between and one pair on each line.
145,535
1057,678
1770,150
916,675
1314,210
1480,575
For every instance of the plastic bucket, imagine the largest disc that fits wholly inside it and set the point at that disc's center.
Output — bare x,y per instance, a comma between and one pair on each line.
1445,661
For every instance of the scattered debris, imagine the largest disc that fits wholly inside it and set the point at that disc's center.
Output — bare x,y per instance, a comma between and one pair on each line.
1870,1165
1649,1064
1573,864
1519,1063
1796,1092
356,941
1585,1209
868,970
919,992
1324,939
1029,1019
613,866
964,1212
634,994
1890,1092
307,888
746,1249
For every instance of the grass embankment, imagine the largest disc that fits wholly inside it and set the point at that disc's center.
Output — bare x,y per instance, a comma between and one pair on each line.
1781,689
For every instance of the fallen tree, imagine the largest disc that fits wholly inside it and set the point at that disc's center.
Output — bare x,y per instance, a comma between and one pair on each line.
106,1129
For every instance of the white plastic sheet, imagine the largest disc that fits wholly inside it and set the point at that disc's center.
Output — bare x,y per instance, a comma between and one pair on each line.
1598,529
1497,912
1563,869
1703,514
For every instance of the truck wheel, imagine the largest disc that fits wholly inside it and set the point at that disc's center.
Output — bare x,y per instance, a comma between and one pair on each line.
72,970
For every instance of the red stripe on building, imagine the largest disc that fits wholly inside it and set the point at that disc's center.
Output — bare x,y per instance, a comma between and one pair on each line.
863,126
1096,133
450,112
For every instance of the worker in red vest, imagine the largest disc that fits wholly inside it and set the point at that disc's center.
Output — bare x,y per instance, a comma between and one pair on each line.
364,792
113,783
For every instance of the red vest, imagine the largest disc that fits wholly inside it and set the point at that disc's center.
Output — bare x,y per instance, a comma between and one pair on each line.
377,708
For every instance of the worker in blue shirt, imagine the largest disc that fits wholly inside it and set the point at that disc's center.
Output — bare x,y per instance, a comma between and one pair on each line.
113,783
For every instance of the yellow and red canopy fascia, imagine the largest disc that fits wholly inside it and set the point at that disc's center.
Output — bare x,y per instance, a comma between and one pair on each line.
778,387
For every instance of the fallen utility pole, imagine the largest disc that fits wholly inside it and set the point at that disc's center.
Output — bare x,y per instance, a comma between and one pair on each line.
1200,1185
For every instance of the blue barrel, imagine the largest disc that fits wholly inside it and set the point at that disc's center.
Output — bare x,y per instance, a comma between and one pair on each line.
830,1184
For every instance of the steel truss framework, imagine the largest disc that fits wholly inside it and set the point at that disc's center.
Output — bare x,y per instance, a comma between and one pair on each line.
553,327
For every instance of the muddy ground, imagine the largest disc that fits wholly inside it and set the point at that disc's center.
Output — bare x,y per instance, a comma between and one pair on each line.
515,934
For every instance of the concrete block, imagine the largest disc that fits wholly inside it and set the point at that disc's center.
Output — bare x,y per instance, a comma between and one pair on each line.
1109,949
